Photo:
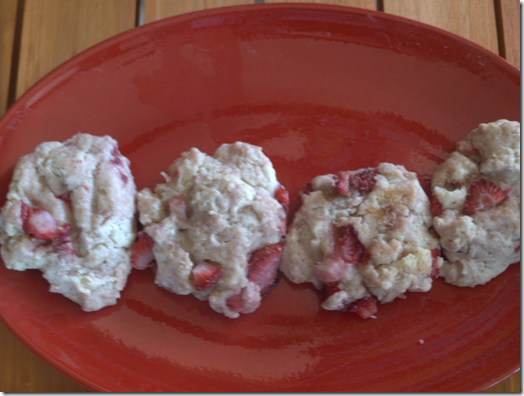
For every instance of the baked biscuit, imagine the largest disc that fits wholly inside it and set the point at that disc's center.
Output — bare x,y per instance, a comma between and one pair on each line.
70,212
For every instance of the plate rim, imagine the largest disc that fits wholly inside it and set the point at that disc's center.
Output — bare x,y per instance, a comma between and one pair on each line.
39,86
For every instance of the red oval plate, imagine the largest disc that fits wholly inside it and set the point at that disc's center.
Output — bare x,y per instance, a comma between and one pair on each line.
320,88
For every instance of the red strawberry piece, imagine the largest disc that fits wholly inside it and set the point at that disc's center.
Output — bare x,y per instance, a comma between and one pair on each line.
66,197
25,211
435,254
116,157
329,289
39,224
142,254
331,269
247,300
116,161
123,177
64,232
307,189
341,182
364,181
273,284
347,245
235,303
283,225
483,194
365,307
177,206
264,252
67,247
282,196
206,275
517,249
436,206
263,267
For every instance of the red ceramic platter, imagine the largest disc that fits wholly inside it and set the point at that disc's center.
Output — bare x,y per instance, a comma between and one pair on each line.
321,89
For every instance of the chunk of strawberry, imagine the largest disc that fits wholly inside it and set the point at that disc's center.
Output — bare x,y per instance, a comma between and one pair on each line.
341,182
364,181
206,275
177,207
283,225
436,206
246,301
331,269
116,159
66,198
39,224
482,195
365,307
435,269
347,245
307,189
329,289
235,303
123,177
263,267
282,196
142,254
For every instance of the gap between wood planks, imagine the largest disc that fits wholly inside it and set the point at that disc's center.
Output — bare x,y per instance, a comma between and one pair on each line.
15,57
500,28
140,7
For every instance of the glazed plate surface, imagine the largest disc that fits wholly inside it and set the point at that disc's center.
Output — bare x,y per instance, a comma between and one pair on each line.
320,89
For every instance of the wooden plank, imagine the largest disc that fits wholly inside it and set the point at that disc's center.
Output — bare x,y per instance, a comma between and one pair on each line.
367,4
8,10
512,384
510,30
56,30
471,19
155,10
22,371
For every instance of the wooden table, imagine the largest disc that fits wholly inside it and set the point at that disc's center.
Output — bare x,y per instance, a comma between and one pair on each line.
38,35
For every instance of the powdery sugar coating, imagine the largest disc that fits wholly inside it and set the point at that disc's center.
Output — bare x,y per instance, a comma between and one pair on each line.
84,188
216,210
481,245
391,223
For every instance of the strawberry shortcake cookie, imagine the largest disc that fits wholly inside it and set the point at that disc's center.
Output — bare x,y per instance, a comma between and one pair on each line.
476,204
70,212
215,228
363,236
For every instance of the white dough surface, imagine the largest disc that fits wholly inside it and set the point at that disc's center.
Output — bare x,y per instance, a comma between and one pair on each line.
85,183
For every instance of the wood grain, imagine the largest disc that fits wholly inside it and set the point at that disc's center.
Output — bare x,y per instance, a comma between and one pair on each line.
56,30
509,30
512,384
22,371
155,10
7,33
367,4
472,19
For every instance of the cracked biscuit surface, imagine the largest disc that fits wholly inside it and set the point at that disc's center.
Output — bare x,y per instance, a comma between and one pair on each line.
216,227
476,204
70,212
362,236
